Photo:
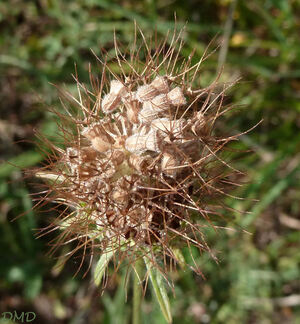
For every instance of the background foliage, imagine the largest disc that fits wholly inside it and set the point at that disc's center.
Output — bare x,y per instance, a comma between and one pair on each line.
258,277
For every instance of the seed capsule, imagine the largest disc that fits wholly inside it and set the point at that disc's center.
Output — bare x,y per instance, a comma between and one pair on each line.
153,141
117,157
199,123
87,154
132,109
110,102
100,145
117,88
161,84
147,114
100,140
139,143
138,162
146,92
136,143
160,102
176,97
120,196
168,126
168,163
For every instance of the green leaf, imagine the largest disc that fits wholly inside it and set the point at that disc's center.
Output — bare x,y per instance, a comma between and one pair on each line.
159,289
22,161
101,266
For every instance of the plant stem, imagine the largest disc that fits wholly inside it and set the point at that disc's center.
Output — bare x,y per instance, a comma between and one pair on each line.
226,35
137,292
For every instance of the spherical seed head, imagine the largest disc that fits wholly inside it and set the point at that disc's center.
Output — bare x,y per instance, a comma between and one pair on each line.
143,175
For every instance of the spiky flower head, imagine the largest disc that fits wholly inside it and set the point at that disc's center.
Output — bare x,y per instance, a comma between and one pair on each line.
141,166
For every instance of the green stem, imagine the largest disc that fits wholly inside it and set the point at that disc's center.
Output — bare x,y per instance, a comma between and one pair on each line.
137,292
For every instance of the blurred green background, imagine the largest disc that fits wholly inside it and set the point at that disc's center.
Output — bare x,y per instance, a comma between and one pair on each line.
258,277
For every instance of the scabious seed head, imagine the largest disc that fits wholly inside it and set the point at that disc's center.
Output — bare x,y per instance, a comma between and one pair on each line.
141,169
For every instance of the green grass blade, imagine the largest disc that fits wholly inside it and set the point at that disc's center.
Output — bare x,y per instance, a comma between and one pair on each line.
159,290
101,266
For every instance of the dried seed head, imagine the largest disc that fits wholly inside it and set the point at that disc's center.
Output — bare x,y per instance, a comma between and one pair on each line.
100,145
136,143
120,142
143,129
141,173
88,154
111,101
